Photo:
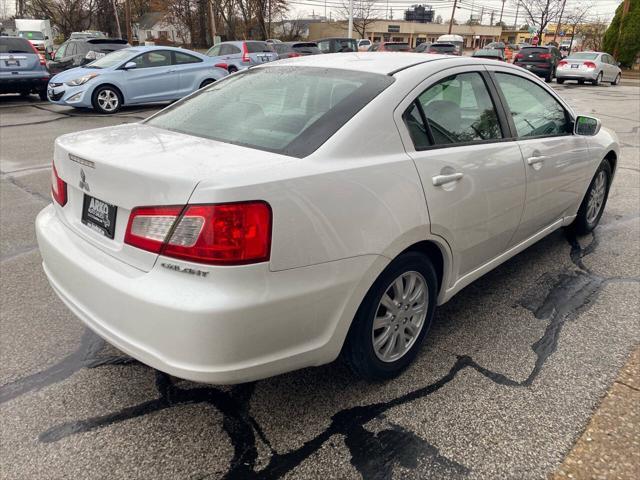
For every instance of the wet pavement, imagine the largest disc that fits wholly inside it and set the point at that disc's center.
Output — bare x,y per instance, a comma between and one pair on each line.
506,382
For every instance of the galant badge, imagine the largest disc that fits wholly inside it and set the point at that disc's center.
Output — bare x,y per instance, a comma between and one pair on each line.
83,181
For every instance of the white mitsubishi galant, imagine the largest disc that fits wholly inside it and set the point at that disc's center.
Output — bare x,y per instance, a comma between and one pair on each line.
313,206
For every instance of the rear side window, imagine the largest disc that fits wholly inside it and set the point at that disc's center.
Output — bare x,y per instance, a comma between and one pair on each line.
258,47
458,109
15,45
288,110
534,111
324,46
184,58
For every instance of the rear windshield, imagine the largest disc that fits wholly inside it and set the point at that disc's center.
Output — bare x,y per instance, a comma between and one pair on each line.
287,110
583,56
31,35
307,48
443,48
15,45
258,47
397,47
530,50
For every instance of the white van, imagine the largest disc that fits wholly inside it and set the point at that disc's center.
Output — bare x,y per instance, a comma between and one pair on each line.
38,32
457,40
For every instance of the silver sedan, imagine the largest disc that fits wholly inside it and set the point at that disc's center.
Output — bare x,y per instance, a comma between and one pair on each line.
594,67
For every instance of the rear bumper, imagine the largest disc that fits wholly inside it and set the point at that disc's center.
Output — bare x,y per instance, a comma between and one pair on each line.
236,324
541,69
18,83
576,74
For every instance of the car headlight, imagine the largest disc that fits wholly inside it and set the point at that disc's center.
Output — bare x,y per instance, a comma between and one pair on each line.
82,80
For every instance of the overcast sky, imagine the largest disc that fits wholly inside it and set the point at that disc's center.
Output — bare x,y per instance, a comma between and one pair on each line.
600,8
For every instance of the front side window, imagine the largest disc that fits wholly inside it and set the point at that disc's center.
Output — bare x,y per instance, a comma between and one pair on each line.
61,52
458,109
288,110
534,111
153,59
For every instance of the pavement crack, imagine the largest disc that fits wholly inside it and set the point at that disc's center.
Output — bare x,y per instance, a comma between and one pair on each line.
37,195
628,386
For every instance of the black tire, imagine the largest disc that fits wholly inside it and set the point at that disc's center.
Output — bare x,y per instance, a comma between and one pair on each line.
43,95
585,223
580,82
549,77
560,81
206,82
616,81
232,69
598,80
108,90
359,350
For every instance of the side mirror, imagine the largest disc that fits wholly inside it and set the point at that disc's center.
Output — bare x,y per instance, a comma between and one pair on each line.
618,63
129,65
587,126
46,38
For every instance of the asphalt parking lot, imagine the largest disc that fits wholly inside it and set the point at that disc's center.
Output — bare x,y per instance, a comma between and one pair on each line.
507,380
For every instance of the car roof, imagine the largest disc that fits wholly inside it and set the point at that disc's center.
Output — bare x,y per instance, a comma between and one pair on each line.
385,63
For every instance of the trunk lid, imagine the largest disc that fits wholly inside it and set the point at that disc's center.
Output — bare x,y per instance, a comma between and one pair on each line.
534,55
19,62
137,165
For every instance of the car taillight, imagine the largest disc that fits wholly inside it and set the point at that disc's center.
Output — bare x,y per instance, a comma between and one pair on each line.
43,60
245,53
544,56
519,56
58,187
293,54
222,65
589,64
562,63
221,234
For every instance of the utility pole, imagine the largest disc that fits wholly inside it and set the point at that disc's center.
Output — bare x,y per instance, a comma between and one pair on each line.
269,21
502,11
559,24
127,19
625,10
453,12
515,22
350,19
212,23
115,12
491,21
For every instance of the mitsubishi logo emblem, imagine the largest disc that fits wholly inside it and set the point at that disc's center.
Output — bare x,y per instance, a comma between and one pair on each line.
83,181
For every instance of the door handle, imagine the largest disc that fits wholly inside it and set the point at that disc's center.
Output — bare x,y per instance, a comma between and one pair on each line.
536,160
442,179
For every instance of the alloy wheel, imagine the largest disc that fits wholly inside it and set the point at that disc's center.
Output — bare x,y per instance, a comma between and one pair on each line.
596,197
108,100
400,316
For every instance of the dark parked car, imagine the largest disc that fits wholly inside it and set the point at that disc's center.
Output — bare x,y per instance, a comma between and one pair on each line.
337,45
78,52
390,47
542,61
23,69
295,49
443,48
490,53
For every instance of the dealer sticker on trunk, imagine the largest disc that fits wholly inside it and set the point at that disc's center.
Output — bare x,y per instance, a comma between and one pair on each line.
99,216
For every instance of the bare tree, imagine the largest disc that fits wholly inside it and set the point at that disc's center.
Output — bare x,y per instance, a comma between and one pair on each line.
539,13
593,34
575,18
67,15
365,13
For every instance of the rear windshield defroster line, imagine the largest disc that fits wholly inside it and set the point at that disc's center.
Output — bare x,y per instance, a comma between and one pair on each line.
287,110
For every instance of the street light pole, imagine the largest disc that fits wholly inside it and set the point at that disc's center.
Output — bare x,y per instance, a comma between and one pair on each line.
350,18
453,12
502,11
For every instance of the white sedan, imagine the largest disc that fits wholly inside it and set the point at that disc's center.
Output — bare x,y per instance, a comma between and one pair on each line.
313,206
